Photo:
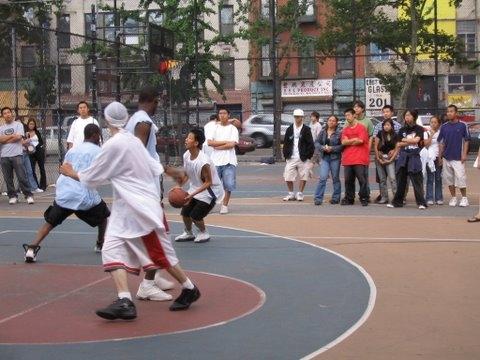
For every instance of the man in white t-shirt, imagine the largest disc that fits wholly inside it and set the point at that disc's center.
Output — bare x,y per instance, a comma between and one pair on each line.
223,141
205,188
75,135
135,238
141,125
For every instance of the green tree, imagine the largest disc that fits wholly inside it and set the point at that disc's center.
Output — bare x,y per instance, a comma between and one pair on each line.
354,23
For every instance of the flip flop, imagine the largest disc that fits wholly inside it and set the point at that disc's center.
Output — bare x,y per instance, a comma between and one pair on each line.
474,219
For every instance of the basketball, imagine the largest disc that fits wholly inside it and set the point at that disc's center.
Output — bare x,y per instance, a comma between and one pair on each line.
176,197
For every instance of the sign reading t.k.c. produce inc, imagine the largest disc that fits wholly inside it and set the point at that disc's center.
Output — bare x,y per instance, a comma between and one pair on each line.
307,88
376,96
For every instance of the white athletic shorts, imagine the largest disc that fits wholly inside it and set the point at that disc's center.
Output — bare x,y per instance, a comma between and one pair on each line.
297,168
453,173
152,251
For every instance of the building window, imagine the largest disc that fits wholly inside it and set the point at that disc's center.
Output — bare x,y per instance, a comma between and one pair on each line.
265,9
133,32
28,60
307,8
266,68
65,79
64,36
466,34
378,55
308,64
344,59
226,19
462,83
227,70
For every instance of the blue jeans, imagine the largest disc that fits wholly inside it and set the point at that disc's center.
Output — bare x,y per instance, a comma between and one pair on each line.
228,176
29,172
327,167
434,179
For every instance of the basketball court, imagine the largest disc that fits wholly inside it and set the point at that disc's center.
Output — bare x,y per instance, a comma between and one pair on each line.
278,281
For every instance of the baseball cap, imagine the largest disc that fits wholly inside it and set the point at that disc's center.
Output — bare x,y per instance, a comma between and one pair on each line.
298,112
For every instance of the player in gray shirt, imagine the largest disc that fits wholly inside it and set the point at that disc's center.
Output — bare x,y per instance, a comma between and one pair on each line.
11,152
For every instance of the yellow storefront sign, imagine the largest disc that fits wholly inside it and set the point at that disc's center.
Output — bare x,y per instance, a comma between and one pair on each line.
462,101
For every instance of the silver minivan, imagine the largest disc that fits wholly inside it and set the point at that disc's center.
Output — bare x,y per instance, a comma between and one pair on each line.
260,128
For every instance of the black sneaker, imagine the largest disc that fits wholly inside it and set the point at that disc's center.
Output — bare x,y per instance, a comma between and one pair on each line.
364,202
346,202
334,202
31,252
186,298
317,202
120,309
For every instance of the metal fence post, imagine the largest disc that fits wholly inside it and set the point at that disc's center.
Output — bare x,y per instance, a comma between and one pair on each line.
93,58
14,68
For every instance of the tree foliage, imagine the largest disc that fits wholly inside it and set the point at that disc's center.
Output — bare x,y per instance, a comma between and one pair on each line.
354,23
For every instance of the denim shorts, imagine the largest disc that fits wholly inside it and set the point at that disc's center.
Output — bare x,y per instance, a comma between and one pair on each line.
228,176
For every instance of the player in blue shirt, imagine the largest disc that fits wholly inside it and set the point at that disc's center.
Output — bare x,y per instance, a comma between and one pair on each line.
72,197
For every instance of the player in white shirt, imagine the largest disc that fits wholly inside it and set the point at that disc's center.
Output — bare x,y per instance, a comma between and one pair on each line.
141,125
136,236
223,141
75,135
205,188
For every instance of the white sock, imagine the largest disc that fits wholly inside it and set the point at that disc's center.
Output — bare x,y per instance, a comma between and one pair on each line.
291,193
187,284
125,294
148,282
300,193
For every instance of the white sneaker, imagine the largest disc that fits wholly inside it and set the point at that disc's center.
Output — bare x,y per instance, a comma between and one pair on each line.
13,201
224,210
30,200
299,196
440,202
290,197
163,283
4,193
422,207
38,190
202,237
463,202
430,202
185,236
453,202
152,292
30,253
390,206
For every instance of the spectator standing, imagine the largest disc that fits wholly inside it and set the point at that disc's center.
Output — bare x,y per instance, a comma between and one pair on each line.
75,135
11,152
387,111
434,168
355,158
316,128
223,140
209,131
359,108
38,155
385,155
476,218
298,149
27,150
329,146
409,164
454,139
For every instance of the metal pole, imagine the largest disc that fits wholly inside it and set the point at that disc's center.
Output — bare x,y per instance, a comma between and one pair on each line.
273,65
93,59
14,68
197,92
57,83
435,52
117,44
354,57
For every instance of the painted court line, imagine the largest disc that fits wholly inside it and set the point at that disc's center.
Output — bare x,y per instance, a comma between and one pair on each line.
26,311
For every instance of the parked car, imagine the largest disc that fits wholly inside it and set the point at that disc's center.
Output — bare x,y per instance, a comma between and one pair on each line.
51,140
245,144
260,128
168,140
474,129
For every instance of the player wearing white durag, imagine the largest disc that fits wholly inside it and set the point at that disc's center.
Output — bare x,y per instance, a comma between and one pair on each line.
136,236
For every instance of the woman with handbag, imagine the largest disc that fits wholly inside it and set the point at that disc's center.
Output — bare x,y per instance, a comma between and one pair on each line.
36,151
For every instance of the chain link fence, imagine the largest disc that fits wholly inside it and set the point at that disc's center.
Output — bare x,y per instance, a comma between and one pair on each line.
46,80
